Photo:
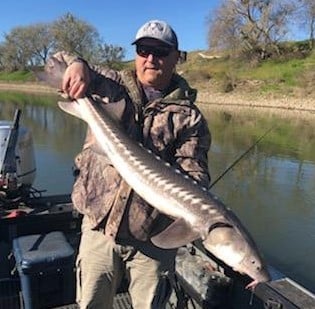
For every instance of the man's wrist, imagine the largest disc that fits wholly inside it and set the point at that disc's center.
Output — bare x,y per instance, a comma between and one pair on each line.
78,60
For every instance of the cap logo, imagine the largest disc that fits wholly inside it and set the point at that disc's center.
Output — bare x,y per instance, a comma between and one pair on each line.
157,30
153,28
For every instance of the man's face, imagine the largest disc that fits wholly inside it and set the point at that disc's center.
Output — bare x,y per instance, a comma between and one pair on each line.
155,63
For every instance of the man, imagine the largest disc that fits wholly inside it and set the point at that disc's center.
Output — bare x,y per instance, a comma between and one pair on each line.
117,223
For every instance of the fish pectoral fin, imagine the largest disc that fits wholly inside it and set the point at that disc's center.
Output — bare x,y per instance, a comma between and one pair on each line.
70,108
115,109
176,235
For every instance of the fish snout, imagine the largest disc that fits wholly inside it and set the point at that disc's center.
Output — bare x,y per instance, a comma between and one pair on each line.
258,271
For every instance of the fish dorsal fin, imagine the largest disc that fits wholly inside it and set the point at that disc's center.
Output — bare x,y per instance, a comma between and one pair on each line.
176,235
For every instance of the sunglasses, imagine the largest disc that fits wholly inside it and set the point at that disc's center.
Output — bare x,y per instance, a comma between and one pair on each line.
156,51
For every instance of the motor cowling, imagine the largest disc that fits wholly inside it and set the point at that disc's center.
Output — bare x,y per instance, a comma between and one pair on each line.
24,156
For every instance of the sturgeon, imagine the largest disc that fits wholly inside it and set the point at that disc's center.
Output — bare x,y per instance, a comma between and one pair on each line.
197,213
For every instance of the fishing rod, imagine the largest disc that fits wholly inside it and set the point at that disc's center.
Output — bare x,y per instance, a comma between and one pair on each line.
241,156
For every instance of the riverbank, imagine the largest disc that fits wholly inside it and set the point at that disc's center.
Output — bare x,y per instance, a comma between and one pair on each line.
213,98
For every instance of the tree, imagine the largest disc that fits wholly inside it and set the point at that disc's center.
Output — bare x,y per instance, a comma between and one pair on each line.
41,42
16,50
26,46
306,15
75,36
250,27
2,57
109,55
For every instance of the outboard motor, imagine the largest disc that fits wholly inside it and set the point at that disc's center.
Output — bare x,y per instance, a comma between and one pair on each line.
17,160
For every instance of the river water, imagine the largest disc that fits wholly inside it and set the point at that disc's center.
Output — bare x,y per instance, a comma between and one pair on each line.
272,189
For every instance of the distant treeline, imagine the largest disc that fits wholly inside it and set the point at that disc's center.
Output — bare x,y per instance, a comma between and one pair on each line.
31,46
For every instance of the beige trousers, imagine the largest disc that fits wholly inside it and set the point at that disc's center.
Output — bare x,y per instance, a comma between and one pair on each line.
101,264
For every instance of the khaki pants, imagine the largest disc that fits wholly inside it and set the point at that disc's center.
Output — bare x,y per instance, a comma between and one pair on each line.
101,264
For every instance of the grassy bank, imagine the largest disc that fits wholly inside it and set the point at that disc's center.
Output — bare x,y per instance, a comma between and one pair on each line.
18,76
292,77
28,97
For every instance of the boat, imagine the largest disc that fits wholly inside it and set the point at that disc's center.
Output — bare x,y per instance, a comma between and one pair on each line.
40,235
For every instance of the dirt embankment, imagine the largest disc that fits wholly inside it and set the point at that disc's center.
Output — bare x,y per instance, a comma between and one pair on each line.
28,87
303,104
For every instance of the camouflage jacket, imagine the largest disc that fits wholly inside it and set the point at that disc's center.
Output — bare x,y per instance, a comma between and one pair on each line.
171,126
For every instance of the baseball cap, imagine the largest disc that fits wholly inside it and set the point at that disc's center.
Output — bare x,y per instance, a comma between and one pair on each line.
159,30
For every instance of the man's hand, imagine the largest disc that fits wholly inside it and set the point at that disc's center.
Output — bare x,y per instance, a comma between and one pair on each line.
76,80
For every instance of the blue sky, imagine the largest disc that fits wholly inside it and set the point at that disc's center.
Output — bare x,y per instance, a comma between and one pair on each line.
117,21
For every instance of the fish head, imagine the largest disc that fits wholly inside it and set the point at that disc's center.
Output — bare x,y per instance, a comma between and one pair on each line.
254,266
53,72
235,250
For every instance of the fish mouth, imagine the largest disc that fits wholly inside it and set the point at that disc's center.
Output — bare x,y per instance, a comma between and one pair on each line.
252,285
262,278
259,275
219,224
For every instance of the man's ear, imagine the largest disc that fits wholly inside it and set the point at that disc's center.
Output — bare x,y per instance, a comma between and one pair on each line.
182,56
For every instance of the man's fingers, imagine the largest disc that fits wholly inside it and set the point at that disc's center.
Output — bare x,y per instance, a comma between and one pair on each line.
78,90
75,87
76,80
65,84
